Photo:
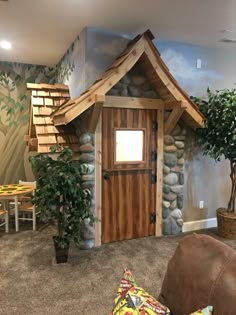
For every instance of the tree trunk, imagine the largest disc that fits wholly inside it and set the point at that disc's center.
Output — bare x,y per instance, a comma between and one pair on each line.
231,204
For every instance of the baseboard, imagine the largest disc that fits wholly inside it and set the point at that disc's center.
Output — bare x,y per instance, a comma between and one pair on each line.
199,224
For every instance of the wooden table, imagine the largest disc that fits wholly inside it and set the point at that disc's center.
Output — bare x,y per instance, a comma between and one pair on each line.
12,191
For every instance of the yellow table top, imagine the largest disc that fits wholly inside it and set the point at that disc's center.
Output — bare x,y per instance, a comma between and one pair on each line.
14,189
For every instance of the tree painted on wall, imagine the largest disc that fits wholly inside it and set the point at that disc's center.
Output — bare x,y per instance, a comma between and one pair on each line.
14,108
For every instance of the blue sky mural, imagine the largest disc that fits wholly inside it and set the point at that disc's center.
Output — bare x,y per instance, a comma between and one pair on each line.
181,60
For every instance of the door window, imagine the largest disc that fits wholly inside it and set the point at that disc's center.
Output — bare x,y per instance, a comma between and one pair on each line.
129,145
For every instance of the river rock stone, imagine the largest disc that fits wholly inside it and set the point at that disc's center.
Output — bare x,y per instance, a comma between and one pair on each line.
166,169
87,231
179,144
120,86
87,168
180,222
86,158
125,80
86,244
124,92
177,214
166,226
146,86
138,79
86,148
85,138
170,148
173,205
180,161
150,94
180,153
170,159
181,178
168,140
88,177
134,91
170,227
165,213
177,169
180,200
175,228
89,184
171,179
166,189
165,204
178,189
170,196
180,138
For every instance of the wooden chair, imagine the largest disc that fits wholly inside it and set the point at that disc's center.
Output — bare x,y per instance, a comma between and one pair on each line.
4,219
26,206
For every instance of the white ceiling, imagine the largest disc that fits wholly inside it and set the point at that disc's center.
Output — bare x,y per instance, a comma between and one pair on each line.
42,30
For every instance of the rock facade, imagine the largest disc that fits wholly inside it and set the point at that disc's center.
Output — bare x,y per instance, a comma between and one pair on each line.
134,84
173,181
87,157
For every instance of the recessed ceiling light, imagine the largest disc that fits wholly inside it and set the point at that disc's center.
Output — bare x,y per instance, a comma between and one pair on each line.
5,44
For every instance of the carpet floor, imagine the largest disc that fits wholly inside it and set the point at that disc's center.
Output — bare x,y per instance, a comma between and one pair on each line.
31,283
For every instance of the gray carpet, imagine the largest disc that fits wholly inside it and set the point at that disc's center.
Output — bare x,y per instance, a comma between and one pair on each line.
30,283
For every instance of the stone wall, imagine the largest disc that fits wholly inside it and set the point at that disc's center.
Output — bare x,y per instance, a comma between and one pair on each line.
134,84
173,180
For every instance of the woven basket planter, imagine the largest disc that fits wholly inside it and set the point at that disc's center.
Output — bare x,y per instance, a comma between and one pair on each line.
226,224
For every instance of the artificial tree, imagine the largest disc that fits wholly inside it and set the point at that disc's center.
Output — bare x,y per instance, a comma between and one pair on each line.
60,197
218,135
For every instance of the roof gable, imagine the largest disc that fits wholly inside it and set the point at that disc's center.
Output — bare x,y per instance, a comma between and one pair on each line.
141,50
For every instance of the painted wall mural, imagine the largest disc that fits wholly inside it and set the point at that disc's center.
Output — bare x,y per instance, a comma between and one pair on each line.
88,56
14,108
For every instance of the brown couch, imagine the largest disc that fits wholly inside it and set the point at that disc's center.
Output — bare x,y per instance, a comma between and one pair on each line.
202,272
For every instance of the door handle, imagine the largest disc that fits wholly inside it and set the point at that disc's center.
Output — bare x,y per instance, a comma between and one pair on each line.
106,175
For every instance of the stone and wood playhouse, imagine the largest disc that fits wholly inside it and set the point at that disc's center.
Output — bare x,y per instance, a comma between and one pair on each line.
129,130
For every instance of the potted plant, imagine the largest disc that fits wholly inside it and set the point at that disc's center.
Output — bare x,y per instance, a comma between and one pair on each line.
218,139
60,197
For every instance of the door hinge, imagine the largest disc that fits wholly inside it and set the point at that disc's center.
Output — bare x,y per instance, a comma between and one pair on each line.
153,178
152,218
153,156
154,125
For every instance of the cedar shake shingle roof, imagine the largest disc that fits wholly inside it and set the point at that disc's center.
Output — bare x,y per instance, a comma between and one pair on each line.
42,133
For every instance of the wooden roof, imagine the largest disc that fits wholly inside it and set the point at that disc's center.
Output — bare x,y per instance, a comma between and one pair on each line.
42,133
142,51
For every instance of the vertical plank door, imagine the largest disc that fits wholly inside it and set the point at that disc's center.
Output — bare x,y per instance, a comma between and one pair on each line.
128,169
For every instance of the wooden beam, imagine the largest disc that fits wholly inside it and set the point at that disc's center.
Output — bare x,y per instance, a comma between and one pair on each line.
95,113
165,76
133,102
173,104
98,182
174,117
159,171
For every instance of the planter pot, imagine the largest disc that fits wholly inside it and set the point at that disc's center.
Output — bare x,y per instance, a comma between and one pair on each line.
61,253
226,224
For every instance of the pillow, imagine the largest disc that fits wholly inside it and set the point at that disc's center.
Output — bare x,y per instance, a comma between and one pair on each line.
205,311
133,300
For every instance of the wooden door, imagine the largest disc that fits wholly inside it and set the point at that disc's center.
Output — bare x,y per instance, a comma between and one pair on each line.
128,182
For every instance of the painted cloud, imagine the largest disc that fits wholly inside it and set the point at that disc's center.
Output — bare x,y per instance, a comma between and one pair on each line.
194,81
